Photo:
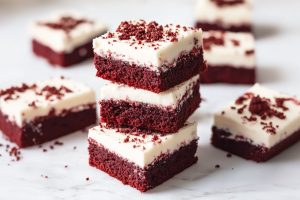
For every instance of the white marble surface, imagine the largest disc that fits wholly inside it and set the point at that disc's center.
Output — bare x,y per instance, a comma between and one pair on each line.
277,24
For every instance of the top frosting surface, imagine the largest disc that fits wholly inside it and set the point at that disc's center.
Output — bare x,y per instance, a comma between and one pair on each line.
263,116
227,48
225,12
148,43
25,102
64,31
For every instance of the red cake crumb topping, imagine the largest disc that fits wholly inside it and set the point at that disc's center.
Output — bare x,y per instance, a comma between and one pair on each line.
280,102
15,153
243,98
262,107
50,91
65,23
249,52
269,127
217,166
235,42
228,155
213,40
142,31
9,94
223,3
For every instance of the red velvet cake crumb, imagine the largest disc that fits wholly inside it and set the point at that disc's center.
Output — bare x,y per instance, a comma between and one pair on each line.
63,59
247,150
218,27
43,129
144,116
224,3
228,74
142,179
131,75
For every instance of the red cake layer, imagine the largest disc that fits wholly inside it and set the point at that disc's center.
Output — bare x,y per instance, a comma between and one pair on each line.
63,59
145,116
218,27
43,129
118,71
246,149
142,179
228,74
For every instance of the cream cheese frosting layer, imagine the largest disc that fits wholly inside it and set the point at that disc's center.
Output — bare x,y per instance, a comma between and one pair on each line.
234,52
142,149
61,41
268,132
171,98
231,15
157,55
42,97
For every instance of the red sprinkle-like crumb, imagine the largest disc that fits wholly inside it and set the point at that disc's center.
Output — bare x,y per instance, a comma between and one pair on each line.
217,166
9,94
15,153
141,31
243,98
280,102
65,23
262,107
235,42
87,178
249,52
223,3
51,91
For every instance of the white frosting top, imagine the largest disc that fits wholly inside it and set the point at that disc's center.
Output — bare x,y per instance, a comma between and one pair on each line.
19,106
170,98
209,12
233,52
62,41
153,55
142,149
259,131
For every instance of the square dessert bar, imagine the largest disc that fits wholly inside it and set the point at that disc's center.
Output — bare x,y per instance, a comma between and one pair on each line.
258,125
166,112
36,113
224,15
148,55
142,159
65,38
230,57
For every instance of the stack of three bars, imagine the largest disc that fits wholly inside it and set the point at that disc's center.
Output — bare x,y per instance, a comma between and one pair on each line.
144,137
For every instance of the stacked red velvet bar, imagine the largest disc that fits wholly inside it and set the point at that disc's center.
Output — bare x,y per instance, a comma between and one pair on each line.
153,87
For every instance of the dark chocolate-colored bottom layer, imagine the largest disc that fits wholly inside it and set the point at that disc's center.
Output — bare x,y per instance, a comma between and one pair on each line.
145,116
119,71
218,27
44,129
247,150
142,179
63,59
228,74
